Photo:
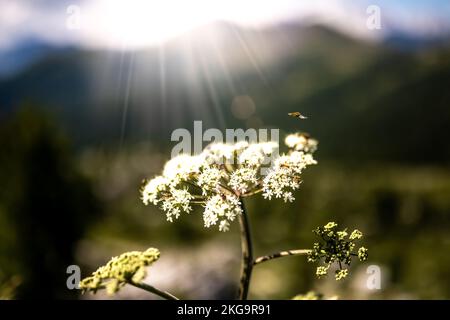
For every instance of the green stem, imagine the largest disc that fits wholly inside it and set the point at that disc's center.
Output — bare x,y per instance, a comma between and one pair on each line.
247,254
252,193
197,202
149,288
281,254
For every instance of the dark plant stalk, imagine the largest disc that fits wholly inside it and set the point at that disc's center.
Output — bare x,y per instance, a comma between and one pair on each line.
280,255
247,254
158,292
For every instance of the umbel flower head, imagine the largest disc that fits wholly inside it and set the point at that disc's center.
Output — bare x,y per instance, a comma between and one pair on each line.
312,295
336,247
301,141
223,174
120,270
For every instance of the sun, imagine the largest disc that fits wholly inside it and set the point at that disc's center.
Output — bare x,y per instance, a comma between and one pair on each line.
138,23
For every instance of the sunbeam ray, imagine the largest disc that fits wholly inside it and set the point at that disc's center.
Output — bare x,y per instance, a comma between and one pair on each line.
218,109
126,99
224,68
250,57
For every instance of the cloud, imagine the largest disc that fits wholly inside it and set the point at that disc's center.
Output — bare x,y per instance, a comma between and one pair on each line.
21,20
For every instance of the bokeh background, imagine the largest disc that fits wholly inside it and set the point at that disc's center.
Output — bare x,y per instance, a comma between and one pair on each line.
90,92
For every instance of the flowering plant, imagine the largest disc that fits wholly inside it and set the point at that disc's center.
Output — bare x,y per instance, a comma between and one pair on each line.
218,180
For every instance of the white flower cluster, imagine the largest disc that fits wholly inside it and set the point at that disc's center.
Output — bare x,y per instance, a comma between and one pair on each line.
242,179
163,191
284,177
220,176
301,142
224,208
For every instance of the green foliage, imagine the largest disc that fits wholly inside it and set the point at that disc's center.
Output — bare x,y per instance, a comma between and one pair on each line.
8,286
336,247
45,206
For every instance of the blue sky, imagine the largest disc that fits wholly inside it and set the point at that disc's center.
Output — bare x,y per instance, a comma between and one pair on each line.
108,23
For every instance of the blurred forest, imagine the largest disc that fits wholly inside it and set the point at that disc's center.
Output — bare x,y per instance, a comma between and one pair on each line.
80,130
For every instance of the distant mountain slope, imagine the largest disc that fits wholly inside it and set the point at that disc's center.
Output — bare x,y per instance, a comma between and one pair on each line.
364,100
28,52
